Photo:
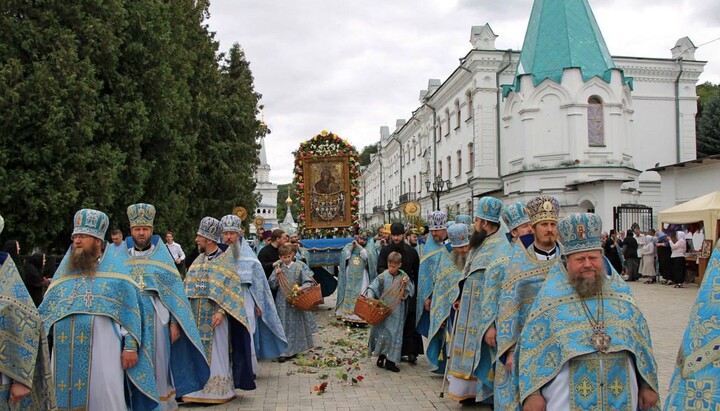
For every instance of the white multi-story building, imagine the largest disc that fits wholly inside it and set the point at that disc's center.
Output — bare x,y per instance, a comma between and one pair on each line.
560,117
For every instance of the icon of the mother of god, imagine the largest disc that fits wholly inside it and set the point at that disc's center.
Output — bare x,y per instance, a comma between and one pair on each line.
326,184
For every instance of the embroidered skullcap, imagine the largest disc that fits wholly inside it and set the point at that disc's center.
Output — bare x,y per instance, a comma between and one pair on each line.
580,232
385,229
91,222
515,215
464,219
2,224
231,223
489,209
459,235
397,229
363,233
543,208
210,228
436,220
141,215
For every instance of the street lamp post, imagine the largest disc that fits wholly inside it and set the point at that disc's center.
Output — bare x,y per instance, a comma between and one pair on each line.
438,184
389,208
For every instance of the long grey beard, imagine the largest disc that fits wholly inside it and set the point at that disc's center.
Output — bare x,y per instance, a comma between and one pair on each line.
236,249
459,259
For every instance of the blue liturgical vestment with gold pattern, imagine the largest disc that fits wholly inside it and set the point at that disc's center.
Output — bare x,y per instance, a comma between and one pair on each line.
156,274
72,302
695,384
25,358
217,281
557,331
351,277
471,358
430,255
524,276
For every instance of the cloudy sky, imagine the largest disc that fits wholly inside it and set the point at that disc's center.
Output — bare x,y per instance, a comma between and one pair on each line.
352,66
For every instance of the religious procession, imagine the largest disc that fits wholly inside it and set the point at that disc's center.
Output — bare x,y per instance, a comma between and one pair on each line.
535,318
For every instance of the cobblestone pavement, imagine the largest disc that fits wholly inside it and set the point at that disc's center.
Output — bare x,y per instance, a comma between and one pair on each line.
289,386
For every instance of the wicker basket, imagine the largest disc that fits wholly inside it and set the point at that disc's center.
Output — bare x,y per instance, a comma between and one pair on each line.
371,310
307,298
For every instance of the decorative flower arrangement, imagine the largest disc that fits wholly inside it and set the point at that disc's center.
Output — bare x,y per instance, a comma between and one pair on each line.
293,293
322,145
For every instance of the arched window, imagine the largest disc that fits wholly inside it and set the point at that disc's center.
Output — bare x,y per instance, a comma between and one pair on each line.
595,121
440,170
449,166
447,118
459,162
414,186
469,98
457,114
439,124
471,156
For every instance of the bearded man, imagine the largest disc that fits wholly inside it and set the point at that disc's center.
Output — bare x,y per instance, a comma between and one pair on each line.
471,362
268,336
213,287
356,273
171,333
533,256
585,344
412,344
95,311
434,254
25,375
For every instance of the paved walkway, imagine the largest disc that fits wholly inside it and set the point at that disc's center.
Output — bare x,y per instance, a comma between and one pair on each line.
290,386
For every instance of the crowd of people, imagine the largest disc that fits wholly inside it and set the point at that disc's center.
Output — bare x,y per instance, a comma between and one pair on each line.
649,255
536,318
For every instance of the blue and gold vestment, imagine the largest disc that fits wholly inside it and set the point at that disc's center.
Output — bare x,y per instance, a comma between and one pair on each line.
157,275
269,337
350,278
695,383
71,303
471,358
25,358
557,331
430,254
438,267
523,277
217,281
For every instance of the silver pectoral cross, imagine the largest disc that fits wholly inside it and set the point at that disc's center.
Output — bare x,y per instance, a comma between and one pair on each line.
600,339
88,298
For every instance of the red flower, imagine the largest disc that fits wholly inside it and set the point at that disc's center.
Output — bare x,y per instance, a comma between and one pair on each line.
360,378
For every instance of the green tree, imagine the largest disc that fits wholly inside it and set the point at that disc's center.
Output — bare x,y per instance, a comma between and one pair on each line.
708,129
365,155
705,92
281,202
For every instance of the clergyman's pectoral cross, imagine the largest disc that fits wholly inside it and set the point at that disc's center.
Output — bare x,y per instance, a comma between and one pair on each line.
88,298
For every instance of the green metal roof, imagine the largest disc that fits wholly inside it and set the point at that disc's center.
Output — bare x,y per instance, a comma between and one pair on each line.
562,34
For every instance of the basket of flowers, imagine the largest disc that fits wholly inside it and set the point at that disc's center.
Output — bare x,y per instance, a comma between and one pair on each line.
302,298
374,311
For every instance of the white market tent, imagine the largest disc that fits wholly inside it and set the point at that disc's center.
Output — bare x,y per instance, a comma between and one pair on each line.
705,209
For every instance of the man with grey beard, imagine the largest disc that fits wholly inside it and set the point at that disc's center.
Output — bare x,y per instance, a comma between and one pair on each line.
585,345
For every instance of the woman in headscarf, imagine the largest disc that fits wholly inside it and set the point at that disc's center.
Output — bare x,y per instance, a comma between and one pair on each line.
34,280
677,258
647,264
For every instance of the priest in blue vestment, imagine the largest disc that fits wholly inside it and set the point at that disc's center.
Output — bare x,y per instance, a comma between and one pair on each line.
218,302
435,249
94,309
446,275
268,336
25,375
533,256
586,344
471,362
695,383
170,331
357,270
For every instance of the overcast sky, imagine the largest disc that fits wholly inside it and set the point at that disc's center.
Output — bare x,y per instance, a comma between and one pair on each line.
352,66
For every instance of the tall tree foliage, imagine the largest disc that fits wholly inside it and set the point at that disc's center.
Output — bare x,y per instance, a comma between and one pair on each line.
107,103
708,129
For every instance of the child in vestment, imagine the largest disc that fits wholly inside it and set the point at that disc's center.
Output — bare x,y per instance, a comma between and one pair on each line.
298,324
386,338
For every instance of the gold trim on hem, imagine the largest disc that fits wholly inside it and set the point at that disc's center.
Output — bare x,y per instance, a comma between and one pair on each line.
185,398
